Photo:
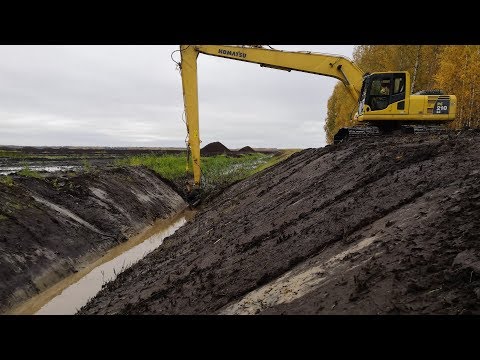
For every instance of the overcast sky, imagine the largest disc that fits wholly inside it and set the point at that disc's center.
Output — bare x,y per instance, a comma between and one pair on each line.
132,96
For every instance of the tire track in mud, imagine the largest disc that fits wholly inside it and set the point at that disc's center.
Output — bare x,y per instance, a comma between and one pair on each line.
319,203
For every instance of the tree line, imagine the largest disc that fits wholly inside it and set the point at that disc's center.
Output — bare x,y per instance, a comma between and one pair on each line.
452,68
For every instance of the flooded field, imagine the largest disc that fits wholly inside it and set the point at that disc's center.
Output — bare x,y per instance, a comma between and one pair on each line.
7,170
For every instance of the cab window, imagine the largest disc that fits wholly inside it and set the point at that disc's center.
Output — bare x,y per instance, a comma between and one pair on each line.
399,84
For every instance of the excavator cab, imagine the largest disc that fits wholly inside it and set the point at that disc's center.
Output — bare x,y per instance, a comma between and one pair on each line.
382,89
386,105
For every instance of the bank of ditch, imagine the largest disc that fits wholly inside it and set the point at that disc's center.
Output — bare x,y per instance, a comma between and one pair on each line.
53,226
379,226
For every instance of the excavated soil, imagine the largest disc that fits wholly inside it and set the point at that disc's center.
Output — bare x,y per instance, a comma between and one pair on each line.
215,148
246,150
51,227
378,226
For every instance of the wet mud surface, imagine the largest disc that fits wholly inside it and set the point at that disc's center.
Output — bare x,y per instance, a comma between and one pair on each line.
64,159
378,226
51,227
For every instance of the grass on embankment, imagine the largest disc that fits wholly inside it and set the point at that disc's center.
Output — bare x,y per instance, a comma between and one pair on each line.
6,180
283,155
26,171
218,171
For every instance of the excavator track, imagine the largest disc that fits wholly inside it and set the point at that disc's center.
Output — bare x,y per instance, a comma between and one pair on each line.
423,129
364,131
359,131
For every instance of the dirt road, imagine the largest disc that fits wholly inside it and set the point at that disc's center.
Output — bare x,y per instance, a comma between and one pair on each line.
384,226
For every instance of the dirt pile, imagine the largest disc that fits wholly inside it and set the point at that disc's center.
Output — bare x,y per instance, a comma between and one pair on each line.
379,226
215,148
50,227
246,150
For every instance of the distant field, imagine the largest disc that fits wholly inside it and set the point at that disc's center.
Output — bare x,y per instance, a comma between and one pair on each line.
218,171
52,159
46,152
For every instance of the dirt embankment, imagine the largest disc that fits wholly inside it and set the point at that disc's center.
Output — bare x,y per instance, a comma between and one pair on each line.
384,226
217,148
246,150
49,228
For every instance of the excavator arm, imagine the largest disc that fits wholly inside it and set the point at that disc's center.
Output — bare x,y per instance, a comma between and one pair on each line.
334,66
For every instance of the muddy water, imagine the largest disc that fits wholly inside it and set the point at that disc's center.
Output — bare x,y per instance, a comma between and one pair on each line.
13,169
66,297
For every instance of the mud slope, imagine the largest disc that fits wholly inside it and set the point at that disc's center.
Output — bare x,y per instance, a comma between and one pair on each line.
50,227
384,226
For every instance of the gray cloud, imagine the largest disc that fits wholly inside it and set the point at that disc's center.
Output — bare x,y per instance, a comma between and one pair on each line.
132,96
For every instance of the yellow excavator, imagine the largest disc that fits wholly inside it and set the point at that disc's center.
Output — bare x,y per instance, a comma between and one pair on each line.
385,102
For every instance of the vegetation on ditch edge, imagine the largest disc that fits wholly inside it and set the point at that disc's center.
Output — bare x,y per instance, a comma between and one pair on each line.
26,171
6,180
217,171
